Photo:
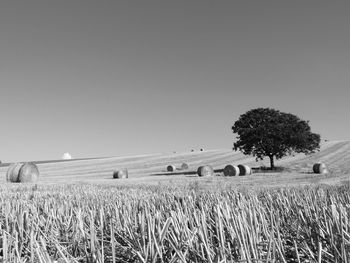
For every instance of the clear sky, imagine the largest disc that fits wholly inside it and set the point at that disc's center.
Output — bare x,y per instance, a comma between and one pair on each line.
109,78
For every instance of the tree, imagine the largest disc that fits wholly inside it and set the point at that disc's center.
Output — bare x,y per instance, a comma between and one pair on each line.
265,132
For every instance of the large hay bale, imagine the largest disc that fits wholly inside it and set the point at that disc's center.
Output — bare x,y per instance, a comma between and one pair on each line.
121,174
184,166
231,170
205,171
12,172
319,168
22,173
171,168
29,173
244,169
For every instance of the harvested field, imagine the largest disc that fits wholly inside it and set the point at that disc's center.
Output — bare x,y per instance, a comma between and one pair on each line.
173,224
151,169
78,213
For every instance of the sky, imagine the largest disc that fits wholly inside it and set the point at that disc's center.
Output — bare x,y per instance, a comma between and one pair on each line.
114,78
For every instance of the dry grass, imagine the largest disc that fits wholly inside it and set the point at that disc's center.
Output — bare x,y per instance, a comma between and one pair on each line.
172,224
180,217
335,154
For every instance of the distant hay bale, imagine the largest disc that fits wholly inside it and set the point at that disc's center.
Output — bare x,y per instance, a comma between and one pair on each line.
22,173
66,156
184,166
319,168
171,168
121,174
231,170
205,171
244,169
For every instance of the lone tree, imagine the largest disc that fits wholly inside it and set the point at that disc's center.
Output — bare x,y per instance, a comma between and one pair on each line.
265,132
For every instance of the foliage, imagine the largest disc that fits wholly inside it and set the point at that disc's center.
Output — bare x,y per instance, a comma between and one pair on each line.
265,132
163,224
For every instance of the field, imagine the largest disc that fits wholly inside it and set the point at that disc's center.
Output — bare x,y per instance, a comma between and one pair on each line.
151,169
78,213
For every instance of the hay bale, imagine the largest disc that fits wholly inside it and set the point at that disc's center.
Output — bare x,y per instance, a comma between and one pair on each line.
22,173
184,166
171,168
121,174
205,171
319,168
244,169
66,156
231,170
12,172
29,173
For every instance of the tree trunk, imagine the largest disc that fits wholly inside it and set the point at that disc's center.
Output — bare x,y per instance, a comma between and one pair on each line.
272,165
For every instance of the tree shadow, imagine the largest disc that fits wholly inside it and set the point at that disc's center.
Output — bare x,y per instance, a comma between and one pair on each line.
306,172
183,172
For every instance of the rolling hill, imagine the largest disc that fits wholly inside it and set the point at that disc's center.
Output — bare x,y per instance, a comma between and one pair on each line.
151,169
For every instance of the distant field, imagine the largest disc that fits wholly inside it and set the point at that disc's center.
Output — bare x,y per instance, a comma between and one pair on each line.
151,169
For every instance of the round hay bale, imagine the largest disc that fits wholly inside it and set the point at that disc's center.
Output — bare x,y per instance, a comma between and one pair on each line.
205,171
13,172
66,156
319,168
244,169
231,170
184,166
22,173
29,173
121,174
171,168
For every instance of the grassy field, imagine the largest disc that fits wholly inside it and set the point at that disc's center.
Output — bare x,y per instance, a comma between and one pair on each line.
151,169
78,213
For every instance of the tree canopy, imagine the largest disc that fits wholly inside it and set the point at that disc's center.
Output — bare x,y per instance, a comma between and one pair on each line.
266,132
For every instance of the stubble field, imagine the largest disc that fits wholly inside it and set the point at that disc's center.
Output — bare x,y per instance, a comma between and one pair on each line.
78,213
